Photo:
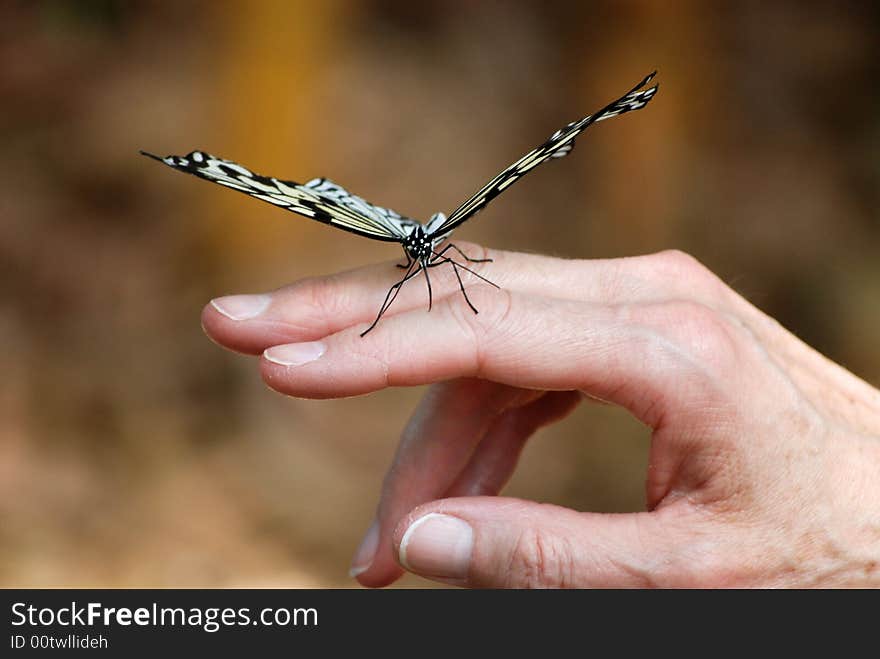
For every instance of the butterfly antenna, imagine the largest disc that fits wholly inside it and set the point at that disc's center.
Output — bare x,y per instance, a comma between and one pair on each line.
151,155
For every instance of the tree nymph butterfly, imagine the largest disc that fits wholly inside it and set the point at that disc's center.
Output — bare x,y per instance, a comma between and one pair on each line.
325,201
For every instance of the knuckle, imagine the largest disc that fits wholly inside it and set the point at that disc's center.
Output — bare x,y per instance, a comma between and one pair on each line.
675,262
540,559
705,336
686,271
707,332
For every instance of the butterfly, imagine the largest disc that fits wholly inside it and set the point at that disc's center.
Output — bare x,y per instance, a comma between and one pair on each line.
325,201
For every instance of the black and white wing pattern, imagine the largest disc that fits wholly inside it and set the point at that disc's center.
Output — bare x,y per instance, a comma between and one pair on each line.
319,199
558,146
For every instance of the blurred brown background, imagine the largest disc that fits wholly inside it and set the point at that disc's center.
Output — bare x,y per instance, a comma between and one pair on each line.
135,452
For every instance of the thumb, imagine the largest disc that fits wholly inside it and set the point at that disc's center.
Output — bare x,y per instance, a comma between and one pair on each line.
496,542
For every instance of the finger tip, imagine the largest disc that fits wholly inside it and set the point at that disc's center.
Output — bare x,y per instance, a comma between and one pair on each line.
211,321
275,376
297,382
227,333
249,336
216,328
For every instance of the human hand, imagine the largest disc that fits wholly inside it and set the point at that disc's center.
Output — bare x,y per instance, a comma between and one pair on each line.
765,456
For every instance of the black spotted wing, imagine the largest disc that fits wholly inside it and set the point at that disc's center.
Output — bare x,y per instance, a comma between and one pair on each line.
558,146
319,199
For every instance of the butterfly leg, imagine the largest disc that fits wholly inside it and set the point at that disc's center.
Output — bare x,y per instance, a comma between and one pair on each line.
439,259
391,295
461,286
455,266
463,255
428,281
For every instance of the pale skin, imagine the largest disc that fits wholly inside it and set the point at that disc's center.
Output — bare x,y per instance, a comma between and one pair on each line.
764,466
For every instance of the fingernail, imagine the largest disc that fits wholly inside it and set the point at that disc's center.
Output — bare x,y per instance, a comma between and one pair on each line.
295,354
438,545
241,307
363,557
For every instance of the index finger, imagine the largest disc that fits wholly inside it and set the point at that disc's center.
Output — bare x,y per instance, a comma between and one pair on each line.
631,356
319,306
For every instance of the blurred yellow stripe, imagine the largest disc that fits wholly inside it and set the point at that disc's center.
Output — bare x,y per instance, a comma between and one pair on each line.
270,56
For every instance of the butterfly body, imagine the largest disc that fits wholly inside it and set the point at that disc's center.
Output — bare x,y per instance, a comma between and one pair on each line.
325,201
418,245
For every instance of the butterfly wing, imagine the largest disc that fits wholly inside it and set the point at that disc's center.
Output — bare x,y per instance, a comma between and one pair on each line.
558,146
319,199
